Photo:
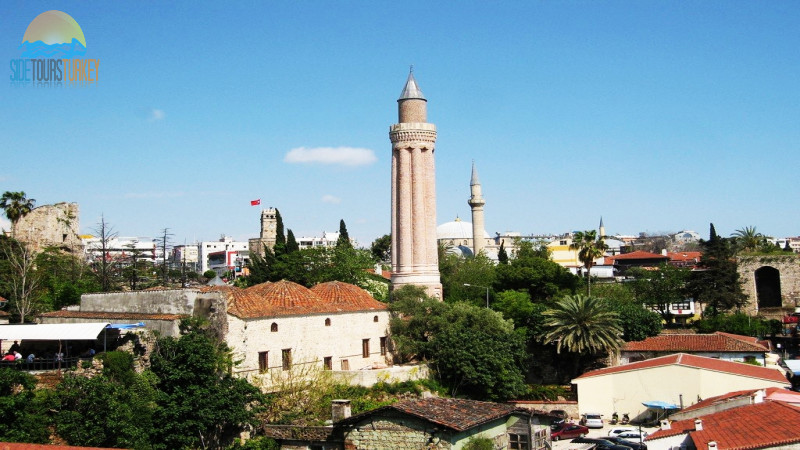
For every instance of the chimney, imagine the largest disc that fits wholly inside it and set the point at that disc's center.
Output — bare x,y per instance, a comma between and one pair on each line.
665,424
698,426
340,410
758,396
712,445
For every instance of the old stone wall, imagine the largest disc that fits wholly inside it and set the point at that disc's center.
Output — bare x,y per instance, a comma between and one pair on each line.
406,434
51,226
789,268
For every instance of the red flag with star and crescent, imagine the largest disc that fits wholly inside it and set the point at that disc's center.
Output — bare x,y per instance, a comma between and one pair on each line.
255,202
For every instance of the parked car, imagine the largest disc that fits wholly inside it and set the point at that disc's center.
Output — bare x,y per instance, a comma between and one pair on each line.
558,413
601,444
630,444
567,430
617,430
633,435
592,420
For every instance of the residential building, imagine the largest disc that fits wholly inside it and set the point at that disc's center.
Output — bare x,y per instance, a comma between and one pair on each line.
680,379
424,423
327,239
120,249
764,425
222,255
719,345
736,399
638,258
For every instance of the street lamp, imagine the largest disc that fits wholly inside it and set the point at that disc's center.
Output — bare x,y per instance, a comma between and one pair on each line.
484,287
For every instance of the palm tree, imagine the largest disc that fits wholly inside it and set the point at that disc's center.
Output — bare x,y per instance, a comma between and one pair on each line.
589,247
748,238
583,325
16,206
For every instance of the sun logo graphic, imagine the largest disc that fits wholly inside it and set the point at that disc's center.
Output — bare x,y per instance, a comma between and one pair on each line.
52,50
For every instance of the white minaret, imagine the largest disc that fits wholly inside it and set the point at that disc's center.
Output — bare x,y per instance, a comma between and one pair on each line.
602,229
415,258
476,203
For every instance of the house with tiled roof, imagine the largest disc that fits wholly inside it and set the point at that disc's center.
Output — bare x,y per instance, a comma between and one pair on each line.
760,425
272,328
736,399
681,379
725,346
421,423
684,259
638,258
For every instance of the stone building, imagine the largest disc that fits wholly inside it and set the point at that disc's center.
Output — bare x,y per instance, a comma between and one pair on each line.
51,226
272,328
415,258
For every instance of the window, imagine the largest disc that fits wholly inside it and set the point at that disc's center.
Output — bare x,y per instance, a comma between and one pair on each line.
327,322
286,358
365,348
263,361
517,441
383,345
328,363
345,364
274,327
375,319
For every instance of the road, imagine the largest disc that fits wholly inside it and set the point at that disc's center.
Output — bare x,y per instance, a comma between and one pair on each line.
596,433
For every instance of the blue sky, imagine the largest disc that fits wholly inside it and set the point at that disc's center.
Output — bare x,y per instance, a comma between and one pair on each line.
656,115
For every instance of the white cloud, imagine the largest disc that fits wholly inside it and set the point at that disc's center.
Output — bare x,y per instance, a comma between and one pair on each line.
327,198
346,156
157,114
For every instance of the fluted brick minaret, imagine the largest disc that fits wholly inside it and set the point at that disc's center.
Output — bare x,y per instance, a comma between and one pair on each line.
415,258
476,203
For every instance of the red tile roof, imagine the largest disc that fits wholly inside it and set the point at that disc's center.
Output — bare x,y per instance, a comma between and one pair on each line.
4,314
638,255
285,298
761,425
111,315
717,342
700,362
771,393
456,414
684,256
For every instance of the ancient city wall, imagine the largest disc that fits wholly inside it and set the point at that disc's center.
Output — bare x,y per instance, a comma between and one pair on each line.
789,268
51,226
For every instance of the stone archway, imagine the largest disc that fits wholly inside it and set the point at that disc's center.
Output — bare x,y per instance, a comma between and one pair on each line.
768,287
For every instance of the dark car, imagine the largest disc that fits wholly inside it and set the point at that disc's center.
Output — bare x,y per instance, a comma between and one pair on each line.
601,444
567,431
627,443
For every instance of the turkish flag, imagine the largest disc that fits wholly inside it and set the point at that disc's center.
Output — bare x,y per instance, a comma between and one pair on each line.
255,202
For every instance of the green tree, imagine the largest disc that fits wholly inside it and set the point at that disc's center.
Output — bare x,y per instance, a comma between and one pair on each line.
22,414
478,272
589,247
581,324
280,237
472,350
659,288
716,283
748,239
344,237
638,323
201,403
21,280
291,242
65,277
381,248
16,206
502,255
542,278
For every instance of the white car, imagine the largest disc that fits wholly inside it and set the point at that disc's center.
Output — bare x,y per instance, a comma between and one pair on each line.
633,435
592,420
617,430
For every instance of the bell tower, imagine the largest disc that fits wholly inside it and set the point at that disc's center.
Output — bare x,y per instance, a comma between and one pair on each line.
415,258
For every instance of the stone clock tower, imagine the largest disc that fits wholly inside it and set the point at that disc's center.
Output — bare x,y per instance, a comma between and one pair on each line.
266,239
415,258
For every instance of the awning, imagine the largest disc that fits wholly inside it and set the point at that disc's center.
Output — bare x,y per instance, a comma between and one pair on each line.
52,331
658,404
125,326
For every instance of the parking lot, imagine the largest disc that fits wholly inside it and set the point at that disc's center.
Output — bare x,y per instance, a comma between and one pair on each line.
596,433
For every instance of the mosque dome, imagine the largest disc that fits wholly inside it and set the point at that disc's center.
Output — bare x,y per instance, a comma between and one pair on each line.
457,229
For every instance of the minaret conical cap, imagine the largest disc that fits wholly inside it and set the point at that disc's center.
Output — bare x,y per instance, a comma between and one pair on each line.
474,180
411,90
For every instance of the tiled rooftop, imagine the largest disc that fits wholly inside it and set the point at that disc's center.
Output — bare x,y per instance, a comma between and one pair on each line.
638,255
771,394
453,413
761,425
717,342
285,298
700,362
